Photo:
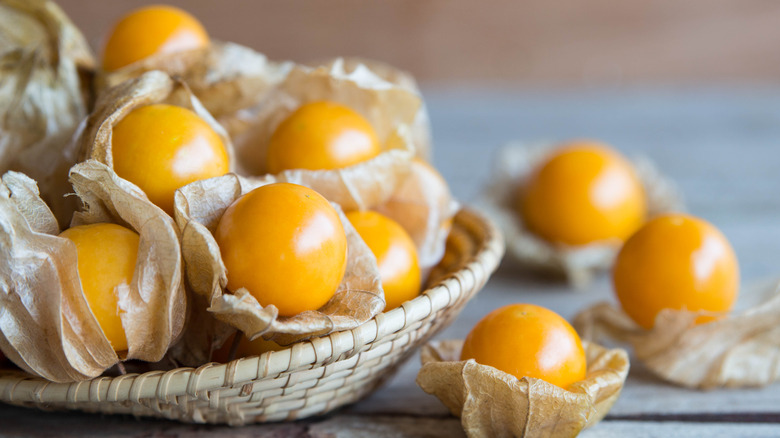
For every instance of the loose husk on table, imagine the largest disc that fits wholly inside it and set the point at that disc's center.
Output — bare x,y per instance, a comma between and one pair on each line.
737,350
46,326
389,108
45,78
577,264
198,209
492,403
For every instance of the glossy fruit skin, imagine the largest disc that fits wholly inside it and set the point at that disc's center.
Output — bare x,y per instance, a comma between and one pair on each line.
675,261
107,256
585,192
321,135
149,31
395,254
286,245
528,341
161,147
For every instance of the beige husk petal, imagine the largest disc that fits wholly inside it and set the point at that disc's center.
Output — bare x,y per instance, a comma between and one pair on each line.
492,403
390,109
513,165
738,350
45,72
198,209
46,325
153,87
421,127
424,207
224,76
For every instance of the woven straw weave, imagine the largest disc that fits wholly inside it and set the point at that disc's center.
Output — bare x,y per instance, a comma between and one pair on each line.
306,379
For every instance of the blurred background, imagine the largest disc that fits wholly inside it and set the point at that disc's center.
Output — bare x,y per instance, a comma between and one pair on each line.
564,43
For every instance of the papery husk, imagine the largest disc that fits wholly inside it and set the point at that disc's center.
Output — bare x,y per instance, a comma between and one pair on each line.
421,127
46,326
423,205
737,350
225,77
45,81
389,108
492,403
198,209
153,87
576,264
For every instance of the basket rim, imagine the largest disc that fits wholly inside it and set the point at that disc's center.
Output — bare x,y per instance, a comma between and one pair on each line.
18,386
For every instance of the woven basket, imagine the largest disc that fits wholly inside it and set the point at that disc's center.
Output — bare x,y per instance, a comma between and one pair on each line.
306,379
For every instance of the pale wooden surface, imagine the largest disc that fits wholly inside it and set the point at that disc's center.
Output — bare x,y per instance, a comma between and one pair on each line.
723,148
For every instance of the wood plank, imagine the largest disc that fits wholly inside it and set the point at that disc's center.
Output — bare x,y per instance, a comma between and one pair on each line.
636,429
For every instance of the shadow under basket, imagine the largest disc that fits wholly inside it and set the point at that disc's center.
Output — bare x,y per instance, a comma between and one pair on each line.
306,379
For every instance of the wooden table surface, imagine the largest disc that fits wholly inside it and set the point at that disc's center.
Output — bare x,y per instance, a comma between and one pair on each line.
723,149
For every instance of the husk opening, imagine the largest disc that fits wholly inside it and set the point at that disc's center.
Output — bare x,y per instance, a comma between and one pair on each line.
45,81
513,165
198,208
224,76
390,109
737,350
423,205
152,87
46,324
492,403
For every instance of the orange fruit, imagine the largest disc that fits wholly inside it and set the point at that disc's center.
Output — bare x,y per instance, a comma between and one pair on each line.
160,148
321,135
286,245
149,31
395,255
675,261
527,341
106,256
582,193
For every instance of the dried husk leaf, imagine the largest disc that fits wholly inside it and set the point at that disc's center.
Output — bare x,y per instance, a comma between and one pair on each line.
492,403
421,127
198,209
153,87
46,325
225,77
390,109
738,350
423,205
45,75
577,264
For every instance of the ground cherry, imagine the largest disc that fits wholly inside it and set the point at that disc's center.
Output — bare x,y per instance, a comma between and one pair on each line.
321,135
676,261
286,245
584,192
149,31
160,148
527,341
395,255
105,256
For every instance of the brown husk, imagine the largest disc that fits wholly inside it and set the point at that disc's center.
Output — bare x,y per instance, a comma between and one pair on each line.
390,109
423,205
492,403
738,350
198,209
153,87
577,264
45,75
46,325
421,127
225,77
